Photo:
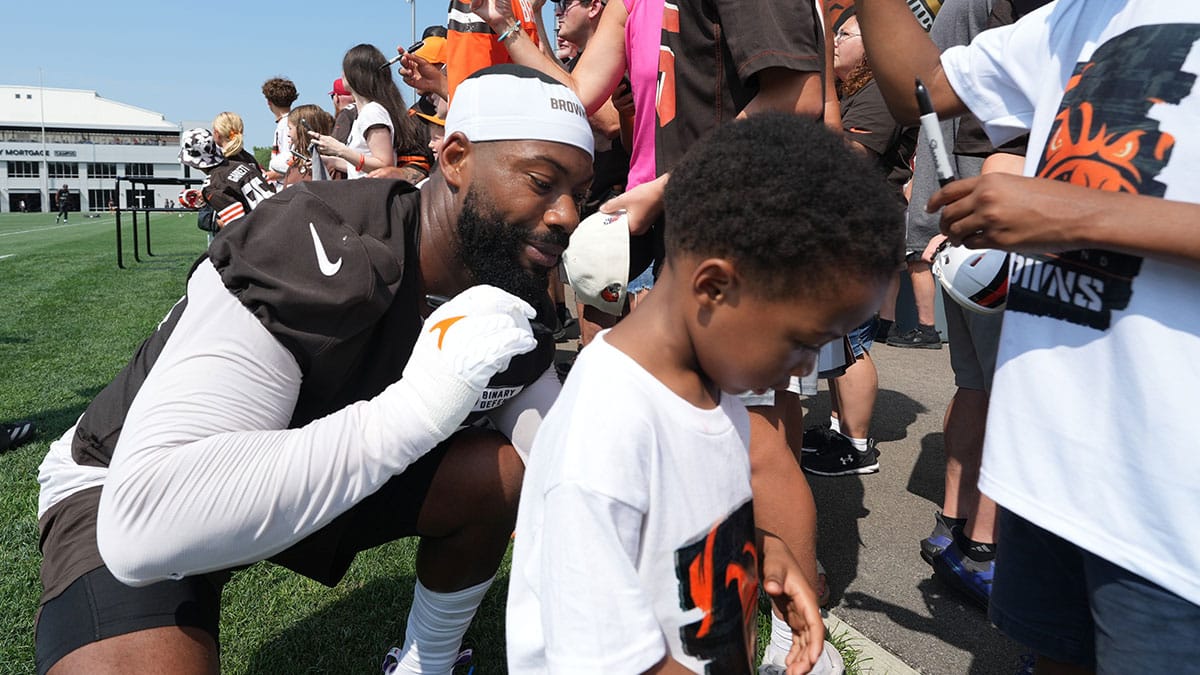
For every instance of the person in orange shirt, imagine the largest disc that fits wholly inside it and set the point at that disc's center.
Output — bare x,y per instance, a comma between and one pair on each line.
471,43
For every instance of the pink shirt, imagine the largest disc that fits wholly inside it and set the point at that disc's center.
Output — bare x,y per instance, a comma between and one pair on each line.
643,33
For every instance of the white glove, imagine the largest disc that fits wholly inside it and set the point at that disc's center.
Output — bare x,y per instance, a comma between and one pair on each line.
462,345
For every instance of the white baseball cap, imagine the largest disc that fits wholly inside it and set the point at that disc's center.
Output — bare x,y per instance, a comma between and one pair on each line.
515,103
597,261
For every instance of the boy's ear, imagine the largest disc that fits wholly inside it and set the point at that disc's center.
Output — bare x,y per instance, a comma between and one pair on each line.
714,282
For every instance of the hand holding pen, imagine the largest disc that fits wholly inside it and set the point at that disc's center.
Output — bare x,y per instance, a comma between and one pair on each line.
933,135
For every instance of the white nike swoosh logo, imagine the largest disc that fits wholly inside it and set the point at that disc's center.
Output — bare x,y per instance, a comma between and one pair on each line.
328,267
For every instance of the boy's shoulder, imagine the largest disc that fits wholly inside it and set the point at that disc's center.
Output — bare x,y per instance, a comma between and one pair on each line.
611,399
609,381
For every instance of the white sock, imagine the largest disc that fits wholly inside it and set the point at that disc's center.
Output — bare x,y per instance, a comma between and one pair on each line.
835,424
860,444
436,625
781,641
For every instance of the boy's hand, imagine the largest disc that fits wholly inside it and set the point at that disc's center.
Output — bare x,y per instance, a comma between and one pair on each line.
795,600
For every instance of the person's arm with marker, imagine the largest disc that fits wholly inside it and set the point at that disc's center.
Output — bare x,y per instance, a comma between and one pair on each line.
600,67
1037,215
1014,213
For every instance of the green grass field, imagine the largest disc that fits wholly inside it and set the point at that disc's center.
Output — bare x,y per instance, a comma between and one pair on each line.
69,320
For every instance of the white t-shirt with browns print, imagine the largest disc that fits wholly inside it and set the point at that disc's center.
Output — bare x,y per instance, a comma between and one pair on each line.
1089,432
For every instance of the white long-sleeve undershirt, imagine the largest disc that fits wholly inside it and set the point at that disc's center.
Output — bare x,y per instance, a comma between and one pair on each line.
206,476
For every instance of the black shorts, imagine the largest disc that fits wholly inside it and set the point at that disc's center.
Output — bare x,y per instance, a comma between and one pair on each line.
97,606
646,250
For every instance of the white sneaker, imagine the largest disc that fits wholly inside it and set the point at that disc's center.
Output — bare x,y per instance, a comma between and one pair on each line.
829,663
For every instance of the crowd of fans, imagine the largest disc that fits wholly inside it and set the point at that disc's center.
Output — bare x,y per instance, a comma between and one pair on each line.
654,81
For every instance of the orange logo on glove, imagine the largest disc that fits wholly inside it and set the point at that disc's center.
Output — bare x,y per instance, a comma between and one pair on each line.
444,325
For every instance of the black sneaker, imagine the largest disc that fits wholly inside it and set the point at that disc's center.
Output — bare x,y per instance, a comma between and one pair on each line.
918,339
816,438
14,434
841,458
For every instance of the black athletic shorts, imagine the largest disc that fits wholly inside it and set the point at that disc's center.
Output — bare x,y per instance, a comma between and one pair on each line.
97,606
647,249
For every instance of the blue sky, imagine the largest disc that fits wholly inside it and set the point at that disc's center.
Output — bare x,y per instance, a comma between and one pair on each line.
190,61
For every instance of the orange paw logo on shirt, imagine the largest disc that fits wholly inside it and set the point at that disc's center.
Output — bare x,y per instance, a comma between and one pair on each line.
718,574
443,326
1119,138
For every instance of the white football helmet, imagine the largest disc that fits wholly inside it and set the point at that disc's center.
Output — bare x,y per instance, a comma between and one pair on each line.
977,278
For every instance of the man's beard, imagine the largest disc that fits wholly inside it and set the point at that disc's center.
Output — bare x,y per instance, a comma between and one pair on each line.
491,249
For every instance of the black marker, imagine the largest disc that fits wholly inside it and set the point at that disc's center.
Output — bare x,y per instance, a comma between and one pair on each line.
392,61
933,135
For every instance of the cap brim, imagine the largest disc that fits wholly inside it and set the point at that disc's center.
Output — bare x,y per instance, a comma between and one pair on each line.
432,119
431,51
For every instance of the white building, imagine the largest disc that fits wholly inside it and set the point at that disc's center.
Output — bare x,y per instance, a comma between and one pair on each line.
55,137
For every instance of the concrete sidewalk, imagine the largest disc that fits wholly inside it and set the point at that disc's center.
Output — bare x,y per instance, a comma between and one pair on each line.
871,659
870,526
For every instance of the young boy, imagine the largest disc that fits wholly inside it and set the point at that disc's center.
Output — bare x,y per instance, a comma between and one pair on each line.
636,548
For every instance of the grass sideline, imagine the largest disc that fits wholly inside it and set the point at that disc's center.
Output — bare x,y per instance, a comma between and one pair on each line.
69,321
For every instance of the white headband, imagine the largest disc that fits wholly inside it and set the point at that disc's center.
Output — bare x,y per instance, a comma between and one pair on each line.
510,103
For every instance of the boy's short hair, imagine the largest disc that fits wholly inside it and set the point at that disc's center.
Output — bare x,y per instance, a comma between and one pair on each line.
280,91
788,202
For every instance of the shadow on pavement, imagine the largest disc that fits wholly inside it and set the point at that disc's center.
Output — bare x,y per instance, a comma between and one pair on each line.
895,412
839,508
952,621
840,500
927,479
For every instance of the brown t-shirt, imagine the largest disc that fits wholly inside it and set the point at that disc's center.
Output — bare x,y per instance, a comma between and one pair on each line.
712,53
866,120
